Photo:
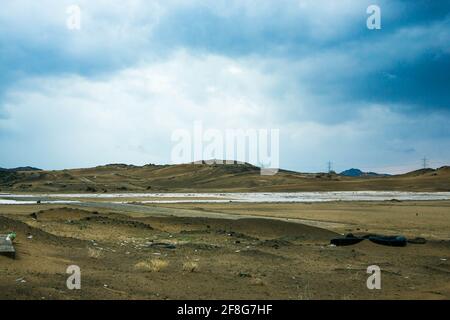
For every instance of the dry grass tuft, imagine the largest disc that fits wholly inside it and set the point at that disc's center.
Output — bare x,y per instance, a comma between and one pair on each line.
306,294
257,282
153,265
94,253
190,266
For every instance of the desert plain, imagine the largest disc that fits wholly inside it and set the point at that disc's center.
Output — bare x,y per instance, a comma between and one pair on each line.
226,251
127,248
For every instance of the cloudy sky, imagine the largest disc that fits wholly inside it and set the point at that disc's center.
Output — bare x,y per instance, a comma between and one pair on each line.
115,90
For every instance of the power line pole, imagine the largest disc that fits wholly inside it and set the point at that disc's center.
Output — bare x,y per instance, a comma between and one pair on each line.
425,162
329,166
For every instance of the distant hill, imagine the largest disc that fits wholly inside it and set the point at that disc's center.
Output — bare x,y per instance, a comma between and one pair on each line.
358,173
20,169
205,177
10,176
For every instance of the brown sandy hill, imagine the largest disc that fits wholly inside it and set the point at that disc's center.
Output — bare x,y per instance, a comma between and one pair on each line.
211,178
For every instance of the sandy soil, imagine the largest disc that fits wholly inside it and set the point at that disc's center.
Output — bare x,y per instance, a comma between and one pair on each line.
231,251
429,219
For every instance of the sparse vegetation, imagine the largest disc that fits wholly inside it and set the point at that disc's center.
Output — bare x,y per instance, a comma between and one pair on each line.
257,282
94,253
152,265
190,266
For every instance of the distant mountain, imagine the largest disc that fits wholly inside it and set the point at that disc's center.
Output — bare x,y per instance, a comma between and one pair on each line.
20,169
358,173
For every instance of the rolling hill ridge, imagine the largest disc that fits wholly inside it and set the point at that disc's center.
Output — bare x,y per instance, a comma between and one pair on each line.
202,177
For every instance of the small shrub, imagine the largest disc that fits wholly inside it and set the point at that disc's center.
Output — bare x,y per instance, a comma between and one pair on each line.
190,266
94,253
153,265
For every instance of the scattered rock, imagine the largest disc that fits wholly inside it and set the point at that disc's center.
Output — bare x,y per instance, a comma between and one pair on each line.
275,243
244,275
162,245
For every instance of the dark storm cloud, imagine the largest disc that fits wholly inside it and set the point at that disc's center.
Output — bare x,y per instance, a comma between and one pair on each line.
313,61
